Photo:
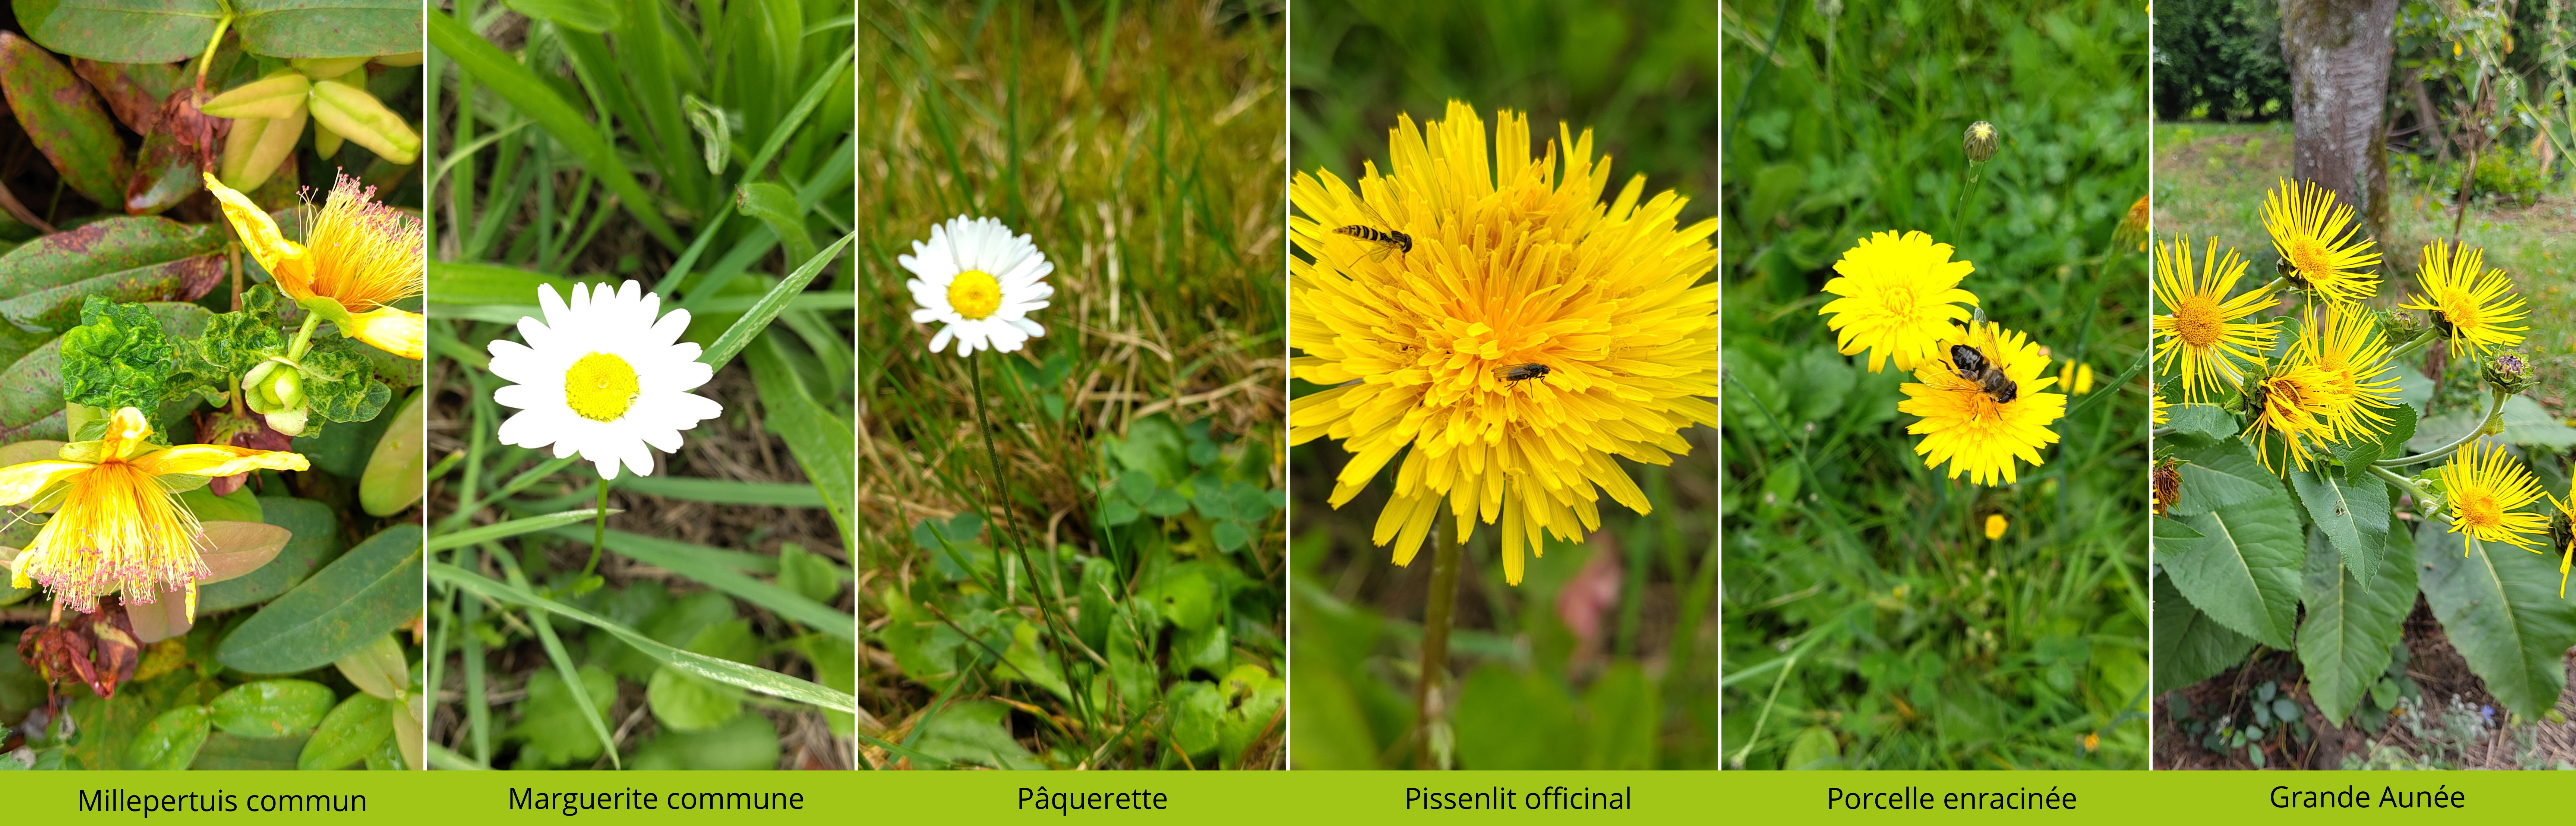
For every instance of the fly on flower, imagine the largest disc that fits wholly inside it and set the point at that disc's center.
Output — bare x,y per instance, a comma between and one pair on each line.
602,377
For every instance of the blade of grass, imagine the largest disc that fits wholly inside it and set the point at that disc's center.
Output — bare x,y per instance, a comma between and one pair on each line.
530,96
726,491
821,443
693,561
564,666
442,759
505,530
724,671
758,317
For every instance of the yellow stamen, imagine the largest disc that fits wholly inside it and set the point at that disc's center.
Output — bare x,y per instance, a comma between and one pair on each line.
974,294
600,387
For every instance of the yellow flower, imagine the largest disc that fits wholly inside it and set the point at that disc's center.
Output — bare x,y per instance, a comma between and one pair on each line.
118,524
1900,297
2566,549
2473,306
2316,236
358,257
2156,412
1433,353
2292,403
2076,378
2133,226
1965,426
2347,345
1995,526
2482,490
2200,337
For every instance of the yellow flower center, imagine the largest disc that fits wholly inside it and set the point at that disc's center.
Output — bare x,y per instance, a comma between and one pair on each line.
2308,256
2197,320
2459,309
2478,508
600,387
975,294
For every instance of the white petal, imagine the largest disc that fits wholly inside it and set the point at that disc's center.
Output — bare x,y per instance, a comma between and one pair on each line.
940,341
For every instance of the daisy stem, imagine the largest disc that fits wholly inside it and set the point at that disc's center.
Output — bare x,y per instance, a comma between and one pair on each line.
598,533
2495,408
1436,610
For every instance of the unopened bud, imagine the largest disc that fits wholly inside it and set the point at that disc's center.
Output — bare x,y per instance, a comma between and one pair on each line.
359,117
2404,324
1979,142
2508,372
279,95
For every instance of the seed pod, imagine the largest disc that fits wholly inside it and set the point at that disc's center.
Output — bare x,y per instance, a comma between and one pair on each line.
1979,142
357,116
326,68
278,95
275,142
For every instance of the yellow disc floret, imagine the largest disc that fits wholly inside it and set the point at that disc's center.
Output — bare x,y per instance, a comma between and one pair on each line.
975,294
600,387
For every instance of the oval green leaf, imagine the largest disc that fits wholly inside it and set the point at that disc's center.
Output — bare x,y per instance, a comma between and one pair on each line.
122,31
2499,604
64,119
353,729
270,709
2352,620
170,742
397,470
313,539
327,28
345,607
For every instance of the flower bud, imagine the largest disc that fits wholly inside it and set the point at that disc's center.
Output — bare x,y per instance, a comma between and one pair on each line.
1979,142
2508,372
357,116
2403,324
2166,481
280,94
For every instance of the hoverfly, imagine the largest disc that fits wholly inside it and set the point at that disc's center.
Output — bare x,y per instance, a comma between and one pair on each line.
1972,364
1386,240
1522,372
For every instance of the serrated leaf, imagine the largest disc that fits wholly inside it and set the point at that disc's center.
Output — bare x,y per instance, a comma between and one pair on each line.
2353,517
2189,646
2167,529
2352,621
2200,425
550,719
2499,605
2218,476
2244,572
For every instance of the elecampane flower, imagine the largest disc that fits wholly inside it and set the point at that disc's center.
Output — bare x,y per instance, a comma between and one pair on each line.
358,257
1900,298
2475,307
2317,237
2566,548
2291,407
2348,346
2203,336
1516,263
118,526
2484,492
1963,423
602,378
979,283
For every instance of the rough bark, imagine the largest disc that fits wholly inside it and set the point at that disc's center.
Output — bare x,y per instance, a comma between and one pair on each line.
2339,53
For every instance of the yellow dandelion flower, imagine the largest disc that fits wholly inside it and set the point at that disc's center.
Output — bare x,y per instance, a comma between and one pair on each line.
1965,424
2292,403
357,257
2483,492
2475,307
2348,346
1900,298
2201,335
118,524
1995,526
2076,378
1530,337
2316,236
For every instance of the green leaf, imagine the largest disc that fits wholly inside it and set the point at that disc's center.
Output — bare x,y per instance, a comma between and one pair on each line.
2220,476
1509,719
2167,529
327,28
550,723
361,596
748,742
756,319
777,208
1029,662
2189,646
397,470
122,31
592,16
56,308
689,560
31,396
977,733
116,358
2401,429
340,385
2352,621
102,247
1625,716
756,679
532,97
65,121
2352,515
725,491
808,575
2500,607
1194,708
2525,423
226,752
688,703
170,743
269,709
2199,425
356,727
239,506
1186,596
2244,572
836,666
466,284
822,443
378,669
503,530
315,528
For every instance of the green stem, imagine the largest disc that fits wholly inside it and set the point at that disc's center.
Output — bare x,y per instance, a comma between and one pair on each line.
598,535
2495,408
2414,345
304,336
1436,611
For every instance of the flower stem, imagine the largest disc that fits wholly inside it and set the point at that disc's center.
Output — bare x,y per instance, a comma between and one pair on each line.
2413,346
304,336
2495,408
598,535
1436,611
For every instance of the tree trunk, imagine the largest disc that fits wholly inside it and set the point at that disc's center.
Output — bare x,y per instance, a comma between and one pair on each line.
2338,53
2428,123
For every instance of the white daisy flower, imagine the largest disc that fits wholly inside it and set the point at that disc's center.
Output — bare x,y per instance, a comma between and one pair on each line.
602,378
980,282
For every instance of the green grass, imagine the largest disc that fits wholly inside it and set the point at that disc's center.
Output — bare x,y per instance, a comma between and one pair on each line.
1095,580
712,630
1869,622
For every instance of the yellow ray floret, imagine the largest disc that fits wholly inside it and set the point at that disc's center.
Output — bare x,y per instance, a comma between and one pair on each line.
1515,261
2202,335
1963,423
2484,492
116,525
1900,298
2475,307
358,254
2318,239
2347,345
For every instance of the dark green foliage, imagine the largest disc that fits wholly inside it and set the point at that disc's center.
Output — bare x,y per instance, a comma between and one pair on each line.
2220,60
117,358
